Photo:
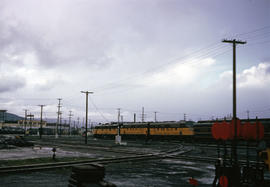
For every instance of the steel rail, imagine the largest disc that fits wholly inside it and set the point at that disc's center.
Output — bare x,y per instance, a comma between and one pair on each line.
46,166
108,149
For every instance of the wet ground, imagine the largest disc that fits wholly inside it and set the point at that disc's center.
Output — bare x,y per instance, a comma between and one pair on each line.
38,152
159,173
142,174
162,172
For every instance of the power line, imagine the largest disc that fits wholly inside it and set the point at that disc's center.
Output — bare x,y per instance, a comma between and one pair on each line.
96,108
210,49
112,84
136,87
256,43
252,31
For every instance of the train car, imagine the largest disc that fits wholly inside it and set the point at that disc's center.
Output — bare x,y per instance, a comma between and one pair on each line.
202,131
135,130
105,131
266,123
149,130
171,130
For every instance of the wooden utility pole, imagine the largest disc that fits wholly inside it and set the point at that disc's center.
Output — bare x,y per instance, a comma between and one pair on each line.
142,114
69,121
60,132
41,111
234,42
155,116
31,117
25,120
78,122
118,115
86,113
118,121
58,117
134,117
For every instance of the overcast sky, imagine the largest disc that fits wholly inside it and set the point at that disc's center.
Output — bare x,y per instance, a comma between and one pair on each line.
163,55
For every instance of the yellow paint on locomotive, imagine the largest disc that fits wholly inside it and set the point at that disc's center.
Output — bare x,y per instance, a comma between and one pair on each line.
133,131
265,156
171,131
105,131
143,131
187,131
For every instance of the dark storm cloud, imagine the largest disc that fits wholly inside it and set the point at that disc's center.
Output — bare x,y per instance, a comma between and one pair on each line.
19,40
86,32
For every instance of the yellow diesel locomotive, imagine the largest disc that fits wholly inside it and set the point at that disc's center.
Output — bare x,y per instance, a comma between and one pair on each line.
153,130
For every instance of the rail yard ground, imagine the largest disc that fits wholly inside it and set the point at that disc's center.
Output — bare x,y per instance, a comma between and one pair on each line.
152,163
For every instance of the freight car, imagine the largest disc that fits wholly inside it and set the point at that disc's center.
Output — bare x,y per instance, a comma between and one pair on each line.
149,130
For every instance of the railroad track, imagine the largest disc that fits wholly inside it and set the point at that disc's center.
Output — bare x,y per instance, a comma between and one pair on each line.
177,153
97,147
90,147
215,146
46,166
211,160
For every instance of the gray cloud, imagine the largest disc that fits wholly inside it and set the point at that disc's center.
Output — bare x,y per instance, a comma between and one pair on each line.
9,83
267,70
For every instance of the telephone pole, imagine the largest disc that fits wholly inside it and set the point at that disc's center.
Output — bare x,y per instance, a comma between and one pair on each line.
142,114
69,121
31,117
25,120
41,111
247,114
234,42
134,117
118,121
60,133
118,115
86,113
155,116
58,117
65,127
